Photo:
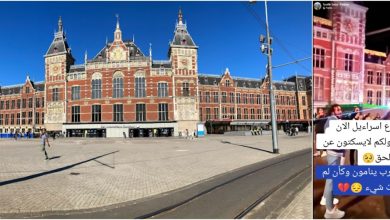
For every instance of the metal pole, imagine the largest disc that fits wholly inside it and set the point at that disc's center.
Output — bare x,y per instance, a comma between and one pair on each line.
271,92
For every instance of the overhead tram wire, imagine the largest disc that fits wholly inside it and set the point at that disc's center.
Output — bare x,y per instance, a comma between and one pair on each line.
260,21
277,40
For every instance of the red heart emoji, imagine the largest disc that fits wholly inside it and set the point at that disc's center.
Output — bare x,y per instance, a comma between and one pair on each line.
343,187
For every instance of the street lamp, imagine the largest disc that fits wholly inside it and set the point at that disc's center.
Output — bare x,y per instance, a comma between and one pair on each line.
266,49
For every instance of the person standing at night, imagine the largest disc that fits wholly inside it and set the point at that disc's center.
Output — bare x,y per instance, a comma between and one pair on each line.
334,158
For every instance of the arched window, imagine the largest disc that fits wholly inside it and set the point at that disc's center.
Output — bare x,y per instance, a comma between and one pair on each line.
140,88
97,86
117,85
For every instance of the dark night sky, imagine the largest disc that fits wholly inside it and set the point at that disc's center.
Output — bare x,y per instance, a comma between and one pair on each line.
377,18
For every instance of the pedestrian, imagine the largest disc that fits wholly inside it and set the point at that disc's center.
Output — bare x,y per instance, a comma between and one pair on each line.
45,139
296,130
334,158
187,134
356,113
292,131
319,124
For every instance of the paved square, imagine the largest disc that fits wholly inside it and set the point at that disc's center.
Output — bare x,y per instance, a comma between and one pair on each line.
124,169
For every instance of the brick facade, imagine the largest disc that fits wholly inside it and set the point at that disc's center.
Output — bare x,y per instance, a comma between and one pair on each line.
345,72
121,90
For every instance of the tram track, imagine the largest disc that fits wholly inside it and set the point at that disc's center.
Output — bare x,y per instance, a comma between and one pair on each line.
228,195
228,198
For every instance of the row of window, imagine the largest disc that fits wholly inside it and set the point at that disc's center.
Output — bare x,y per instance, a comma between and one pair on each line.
280,100
207,114
24,118
213,97
319,86
320,34
22,103
117,92
288,100
378,100
319,59
96,114
379,77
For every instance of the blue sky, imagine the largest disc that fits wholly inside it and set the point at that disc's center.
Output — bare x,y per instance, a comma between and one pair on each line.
227,33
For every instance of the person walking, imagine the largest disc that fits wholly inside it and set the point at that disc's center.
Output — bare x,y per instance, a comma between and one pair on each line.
334,158
45,139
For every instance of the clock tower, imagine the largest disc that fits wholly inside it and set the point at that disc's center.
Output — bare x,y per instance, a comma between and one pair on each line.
348,43
58,60
118,50
183,54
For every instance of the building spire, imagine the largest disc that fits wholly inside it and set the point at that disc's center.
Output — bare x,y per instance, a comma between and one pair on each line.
118,32
180,16
117,21
85,57
60,24
150,51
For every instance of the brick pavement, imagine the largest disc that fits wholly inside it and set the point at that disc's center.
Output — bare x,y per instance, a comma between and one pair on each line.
301,206
141,168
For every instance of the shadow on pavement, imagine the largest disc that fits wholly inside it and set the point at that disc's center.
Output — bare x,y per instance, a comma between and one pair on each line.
55,157
254,148
104,164
51,171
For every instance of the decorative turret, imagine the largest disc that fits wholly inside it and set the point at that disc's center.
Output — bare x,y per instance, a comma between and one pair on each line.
59,44
180,17
60,25
118,32
182,37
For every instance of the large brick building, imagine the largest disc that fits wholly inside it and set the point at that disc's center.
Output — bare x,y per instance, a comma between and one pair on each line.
124,91
345,71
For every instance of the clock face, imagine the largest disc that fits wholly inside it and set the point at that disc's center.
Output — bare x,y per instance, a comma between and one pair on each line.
117,54
349,26
184,63
55,69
